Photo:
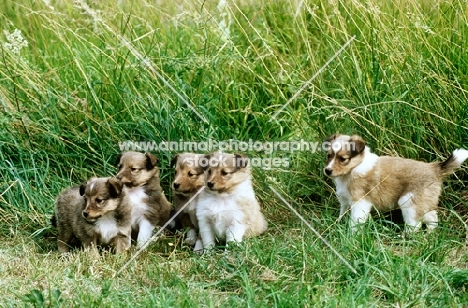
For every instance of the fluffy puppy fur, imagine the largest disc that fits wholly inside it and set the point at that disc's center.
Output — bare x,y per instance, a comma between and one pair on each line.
227,208
365,181
189,178
93,214
140,175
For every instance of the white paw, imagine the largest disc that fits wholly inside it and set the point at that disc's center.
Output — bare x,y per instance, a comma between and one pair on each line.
191,238
198,247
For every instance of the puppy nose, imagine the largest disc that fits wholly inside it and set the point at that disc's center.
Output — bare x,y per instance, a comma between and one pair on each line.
176,185
210,184
85,214
328,171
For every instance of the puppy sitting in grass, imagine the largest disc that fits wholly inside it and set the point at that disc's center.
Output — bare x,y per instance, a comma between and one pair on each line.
365,181
94,214
140,175
189,179
227,208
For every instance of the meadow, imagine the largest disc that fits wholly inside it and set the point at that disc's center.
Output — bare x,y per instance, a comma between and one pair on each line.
78,78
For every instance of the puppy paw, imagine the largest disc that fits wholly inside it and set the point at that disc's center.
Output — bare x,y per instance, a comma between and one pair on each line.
198,249
191,238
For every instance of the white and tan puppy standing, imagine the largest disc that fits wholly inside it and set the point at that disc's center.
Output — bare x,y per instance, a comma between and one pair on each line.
227,208
365,181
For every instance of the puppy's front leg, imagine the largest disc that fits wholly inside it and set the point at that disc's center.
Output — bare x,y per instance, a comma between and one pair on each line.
122,242
235,232
207,234
359,213
91,246
145,232
344,205
198,246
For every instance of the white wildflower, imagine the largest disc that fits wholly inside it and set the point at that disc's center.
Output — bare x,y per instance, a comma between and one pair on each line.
311,9
373,9
47,3
95,14
420,25
15,41
225,20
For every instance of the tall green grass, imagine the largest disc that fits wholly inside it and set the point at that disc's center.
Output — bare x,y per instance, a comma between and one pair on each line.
98,73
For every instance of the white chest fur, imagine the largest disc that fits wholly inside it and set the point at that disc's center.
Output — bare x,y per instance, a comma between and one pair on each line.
367,164
136,197
342,191
222,211
107,227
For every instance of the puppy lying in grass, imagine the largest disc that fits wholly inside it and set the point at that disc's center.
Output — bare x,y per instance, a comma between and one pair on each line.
94,214
365,181
140,175
227,208
189,179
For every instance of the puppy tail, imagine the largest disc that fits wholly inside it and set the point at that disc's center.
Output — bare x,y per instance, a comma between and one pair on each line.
453,162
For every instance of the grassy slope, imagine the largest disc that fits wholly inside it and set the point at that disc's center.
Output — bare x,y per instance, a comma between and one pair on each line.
81,86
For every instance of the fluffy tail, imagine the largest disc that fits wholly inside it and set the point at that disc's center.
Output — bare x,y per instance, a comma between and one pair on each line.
453,162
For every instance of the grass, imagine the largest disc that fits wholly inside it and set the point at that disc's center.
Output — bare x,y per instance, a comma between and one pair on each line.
95,74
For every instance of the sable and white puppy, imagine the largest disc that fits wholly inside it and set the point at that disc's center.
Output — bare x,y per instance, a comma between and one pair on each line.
227,208
189,179
365,181
140,175
94,214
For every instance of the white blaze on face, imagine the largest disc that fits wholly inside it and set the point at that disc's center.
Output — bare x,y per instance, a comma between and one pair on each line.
335,147
330,164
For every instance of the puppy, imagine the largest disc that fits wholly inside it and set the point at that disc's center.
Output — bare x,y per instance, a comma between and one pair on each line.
365,181
94,214
189,178
140,175
228,209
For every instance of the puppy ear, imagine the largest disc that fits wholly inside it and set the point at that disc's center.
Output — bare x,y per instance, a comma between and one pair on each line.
174,160
82,189
357,145
117,160
331,138
151,161
241,160
115,187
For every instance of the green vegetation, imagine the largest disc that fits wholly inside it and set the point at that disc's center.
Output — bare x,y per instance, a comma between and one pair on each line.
97,73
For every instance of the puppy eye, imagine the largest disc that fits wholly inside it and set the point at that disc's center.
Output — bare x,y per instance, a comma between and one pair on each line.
209,171
175,172
134,169
191,174
223,173
99,201
343,159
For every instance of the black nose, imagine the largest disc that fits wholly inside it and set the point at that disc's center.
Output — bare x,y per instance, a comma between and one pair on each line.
328,171
85,214
176,185
210,184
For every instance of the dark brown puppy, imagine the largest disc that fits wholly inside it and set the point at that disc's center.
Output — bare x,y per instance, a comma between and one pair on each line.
94,214
140,175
